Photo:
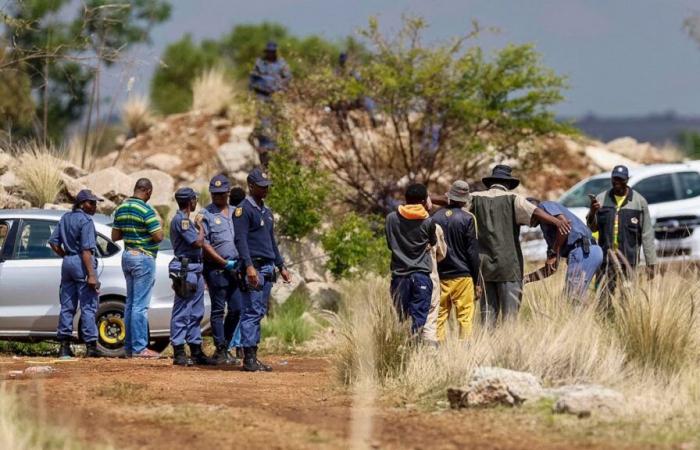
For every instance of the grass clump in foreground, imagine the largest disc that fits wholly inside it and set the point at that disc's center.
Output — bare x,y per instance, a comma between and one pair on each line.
649,350
20,431
290,324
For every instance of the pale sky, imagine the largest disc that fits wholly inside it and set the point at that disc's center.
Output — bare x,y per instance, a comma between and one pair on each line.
622,57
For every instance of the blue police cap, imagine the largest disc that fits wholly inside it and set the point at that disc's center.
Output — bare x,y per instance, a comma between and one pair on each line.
258,178
185,193
219,185
271,46
86,195
620,172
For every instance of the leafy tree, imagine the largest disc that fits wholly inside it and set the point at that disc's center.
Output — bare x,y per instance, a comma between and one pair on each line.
299,193
444,112
354,247
171,86
62,57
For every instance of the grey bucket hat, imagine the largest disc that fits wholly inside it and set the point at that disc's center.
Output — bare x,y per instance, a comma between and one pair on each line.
459,191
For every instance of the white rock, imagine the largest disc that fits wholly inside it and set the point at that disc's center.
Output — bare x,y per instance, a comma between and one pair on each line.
281,290
39,370
163,161
484,393
11,202
9,179
522,385
163,186
607,160
110,183
72,186
324,295
237,155
588,399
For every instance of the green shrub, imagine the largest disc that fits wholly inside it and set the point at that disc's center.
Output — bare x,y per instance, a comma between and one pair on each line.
290,323
355,247
298,194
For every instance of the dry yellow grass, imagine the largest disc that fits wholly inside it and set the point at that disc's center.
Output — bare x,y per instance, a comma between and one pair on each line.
212,92
39,171
18,431
137,114
649,350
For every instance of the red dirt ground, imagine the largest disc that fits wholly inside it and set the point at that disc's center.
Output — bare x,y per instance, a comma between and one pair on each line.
153,405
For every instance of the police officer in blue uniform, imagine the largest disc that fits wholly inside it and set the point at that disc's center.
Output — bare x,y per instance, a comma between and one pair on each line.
255,240
187,238
220,264
74,241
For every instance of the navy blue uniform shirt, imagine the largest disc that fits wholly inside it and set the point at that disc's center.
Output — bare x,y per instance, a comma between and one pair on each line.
255,238
579,229
219,232
182,235
75,232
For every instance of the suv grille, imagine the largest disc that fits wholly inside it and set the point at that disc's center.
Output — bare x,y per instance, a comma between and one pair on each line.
677,227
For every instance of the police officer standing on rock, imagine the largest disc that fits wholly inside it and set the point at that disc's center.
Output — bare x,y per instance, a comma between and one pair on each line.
255,240
186,272
220,262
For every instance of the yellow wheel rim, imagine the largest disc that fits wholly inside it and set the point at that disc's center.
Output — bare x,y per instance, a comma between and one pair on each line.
107,330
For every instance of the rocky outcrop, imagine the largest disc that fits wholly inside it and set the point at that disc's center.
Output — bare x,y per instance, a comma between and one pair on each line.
495,386
585,400
163,186
163,161
237,155
110,183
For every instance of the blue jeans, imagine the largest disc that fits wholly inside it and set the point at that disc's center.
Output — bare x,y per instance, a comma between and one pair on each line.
255,307
139,270
580,270
411,295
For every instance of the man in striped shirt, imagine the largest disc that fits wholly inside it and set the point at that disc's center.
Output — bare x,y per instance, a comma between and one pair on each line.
136,222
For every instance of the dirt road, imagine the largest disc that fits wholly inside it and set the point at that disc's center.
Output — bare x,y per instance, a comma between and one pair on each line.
153,405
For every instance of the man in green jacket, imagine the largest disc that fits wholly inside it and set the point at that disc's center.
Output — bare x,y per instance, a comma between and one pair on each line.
621,217
499,214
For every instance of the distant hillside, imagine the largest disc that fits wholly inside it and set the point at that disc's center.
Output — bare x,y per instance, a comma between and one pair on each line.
655,128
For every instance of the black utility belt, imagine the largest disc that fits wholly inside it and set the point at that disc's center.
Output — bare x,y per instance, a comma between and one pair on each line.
261,262
190,259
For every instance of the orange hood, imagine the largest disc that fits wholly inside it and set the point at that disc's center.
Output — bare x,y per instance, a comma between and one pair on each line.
413,212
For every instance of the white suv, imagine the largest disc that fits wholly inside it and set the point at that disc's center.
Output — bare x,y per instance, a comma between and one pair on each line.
673,194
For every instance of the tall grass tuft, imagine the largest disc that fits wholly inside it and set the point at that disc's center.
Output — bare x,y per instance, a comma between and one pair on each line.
39,173
20,431
649,348
656,321
289,324
212,92
137,114
369,325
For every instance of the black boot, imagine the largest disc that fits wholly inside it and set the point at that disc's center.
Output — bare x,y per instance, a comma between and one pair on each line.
222,357
92,350
65,351
199,358
251,363
180,357
239,353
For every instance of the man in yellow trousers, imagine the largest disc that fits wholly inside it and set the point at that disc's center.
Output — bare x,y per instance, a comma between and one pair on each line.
459,270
